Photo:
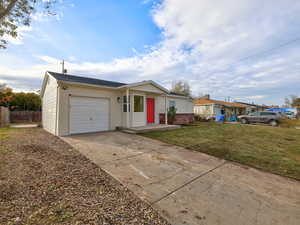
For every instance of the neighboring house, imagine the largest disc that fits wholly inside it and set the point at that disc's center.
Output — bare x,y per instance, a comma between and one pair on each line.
73,104
206,107
253,107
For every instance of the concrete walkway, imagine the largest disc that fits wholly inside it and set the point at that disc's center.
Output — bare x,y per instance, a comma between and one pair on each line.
193,188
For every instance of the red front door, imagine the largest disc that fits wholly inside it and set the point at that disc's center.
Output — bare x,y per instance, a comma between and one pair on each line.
150,110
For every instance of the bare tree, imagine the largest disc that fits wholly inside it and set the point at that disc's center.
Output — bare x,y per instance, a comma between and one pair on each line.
181,87
292,101
2,87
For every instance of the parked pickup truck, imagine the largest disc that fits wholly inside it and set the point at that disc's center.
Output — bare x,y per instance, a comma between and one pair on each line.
272,118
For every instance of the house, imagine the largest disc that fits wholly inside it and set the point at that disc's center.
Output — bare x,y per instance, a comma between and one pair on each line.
74,104
253,107
208,108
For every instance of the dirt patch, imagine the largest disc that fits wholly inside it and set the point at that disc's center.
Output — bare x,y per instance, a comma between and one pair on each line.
45,181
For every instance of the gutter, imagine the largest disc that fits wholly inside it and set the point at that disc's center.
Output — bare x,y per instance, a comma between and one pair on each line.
83,84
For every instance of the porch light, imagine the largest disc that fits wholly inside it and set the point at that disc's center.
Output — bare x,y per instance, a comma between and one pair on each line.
65,87
119,99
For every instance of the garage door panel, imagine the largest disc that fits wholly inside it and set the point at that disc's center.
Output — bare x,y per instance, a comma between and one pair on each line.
88,114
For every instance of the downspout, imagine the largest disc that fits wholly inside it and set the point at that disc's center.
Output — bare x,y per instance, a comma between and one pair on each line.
56,113
127,106
166,111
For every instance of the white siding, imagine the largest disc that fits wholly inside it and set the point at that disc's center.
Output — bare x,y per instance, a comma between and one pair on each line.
183,105
207,109
148,88
140,119
49,105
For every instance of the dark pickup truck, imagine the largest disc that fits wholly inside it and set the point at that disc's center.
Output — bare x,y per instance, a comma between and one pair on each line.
272,118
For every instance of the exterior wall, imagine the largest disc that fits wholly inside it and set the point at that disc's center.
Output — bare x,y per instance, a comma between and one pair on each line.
148,88
49,106
61,93
205,110
133,115
184,113
4,116
76,90
211,110
183,105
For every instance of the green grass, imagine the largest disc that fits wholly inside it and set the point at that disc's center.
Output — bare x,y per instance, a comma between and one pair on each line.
4,132
275,150
290,123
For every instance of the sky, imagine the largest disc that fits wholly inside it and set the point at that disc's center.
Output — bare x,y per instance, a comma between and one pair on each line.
248,50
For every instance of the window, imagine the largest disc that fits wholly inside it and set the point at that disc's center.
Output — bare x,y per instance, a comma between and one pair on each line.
254,114
125,104
172,103
207,108
138,103
268,114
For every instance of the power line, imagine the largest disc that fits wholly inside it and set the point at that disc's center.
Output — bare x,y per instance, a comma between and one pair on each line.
257,54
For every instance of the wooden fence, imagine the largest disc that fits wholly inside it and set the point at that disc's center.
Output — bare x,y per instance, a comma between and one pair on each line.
25,116
4,116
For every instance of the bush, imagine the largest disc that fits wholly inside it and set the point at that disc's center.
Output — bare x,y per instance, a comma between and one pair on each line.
171,114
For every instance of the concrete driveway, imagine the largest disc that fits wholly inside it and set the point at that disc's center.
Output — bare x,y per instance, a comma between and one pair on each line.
190,187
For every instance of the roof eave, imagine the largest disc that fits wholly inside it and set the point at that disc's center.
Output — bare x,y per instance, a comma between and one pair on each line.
46,77
87,85
180,96
143,83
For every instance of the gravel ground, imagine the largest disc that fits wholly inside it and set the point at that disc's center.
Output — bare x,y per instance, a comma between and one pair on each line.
43,180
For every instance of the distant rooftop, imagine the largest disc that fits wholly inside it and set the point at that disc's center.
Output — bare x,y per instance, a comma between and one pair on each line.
212,101
85,80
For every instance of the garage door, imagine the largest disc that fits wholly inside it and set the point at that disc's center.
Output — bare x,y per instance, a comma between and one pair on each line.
88,114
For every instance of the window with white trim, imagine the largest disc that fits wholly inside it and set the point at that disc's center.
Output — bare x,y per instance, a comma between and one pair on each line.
125,104
138,103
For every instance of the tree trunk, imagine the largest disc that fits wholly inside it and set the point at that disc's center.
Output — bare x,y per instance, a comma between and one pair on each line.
6,11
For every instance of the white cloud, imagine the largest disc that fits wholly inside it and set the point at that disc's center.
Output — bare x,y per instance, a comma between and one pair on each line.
22,31
203,43
256,97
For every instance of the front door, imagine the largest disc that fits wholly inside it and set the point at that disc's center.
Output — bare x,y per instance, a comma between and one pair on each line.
150,110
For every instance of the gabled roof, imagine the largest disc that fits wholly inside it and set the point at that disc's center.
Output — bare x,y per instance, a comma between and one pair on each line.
249,104
144,83
97,82
85,80
203,101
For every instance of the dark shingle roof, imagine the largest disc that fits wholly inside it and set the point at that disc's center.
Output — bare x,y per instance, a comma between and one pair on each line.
174,93
85,80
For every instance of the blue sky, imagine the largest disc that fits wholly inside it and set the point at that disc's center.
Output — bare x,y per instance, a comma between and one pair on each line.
201,42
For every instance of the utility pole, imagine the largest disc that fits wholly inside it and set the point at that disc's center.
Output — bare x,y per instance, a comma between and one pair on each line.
64,71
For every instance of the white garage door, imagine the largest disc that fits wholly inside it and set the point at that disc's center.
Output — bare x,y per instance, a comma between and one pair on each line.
88,114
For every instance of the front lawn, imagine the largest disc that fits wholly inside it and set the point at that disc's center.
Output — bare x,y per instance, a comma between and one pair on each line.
276,150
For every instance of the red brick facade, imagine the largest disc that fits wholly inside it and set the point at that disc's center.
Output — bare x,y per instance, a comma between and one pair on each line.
180,119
